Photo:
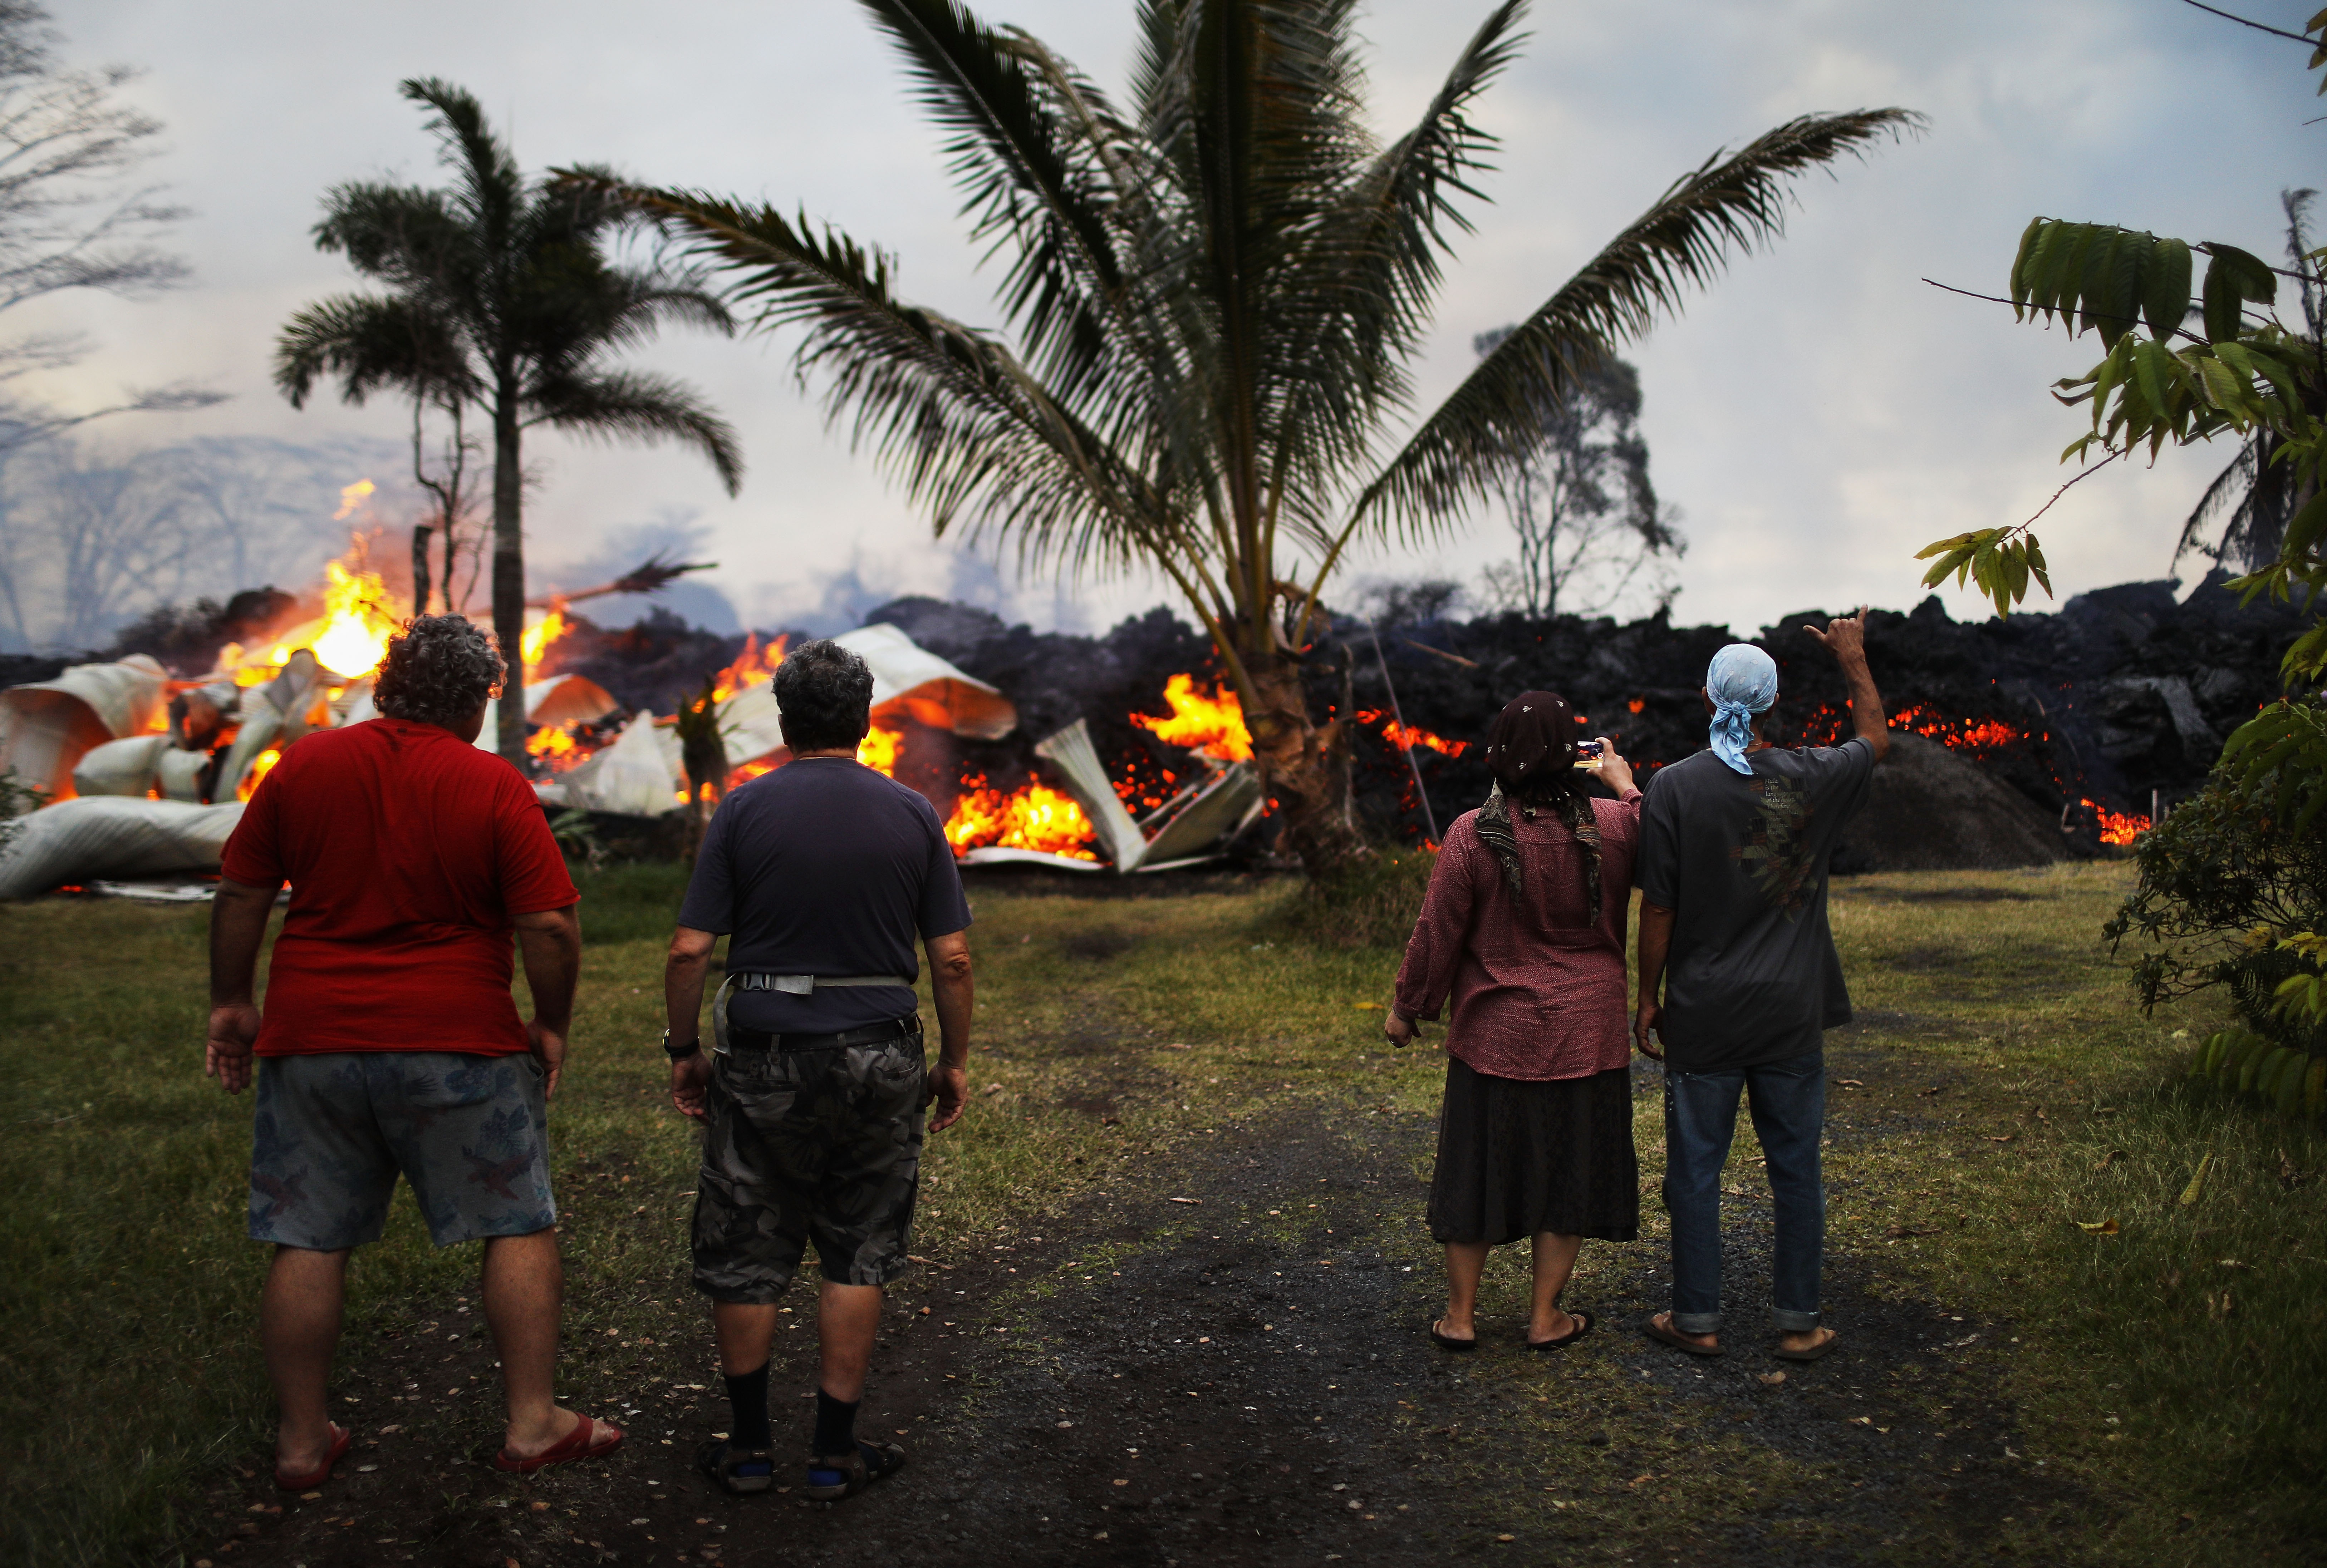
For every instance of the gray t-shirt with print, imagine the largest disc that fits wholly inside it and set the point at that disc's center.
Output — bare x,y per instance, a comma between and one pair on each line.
1753,976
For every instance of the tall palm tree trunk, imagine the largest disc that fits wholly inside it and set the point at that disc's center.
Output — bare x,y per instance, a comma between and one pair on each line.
1305,767
508,571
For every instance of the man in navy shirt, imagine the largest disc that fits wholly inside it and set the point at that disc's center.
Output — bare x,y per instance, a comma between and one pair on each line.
823,874
1740,980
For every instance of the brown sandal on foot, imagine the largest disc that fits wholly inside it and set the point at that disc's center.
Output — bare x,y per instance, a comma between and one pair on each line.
1676,1339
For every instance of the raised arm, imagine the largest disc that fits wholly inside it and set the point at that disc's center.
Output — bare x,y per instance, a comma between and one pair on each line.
1845,639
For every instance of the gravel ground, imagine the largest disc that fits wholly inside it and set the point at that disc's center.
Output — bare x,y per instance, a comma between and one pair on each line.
1221,1358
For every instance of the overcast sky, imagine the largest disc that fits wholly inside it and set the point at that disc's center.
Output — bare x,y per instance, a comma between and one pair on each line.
1819,414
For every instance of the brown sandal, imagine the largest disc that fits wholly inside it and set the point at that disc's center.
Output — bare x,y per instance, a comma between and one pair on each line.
1677,1339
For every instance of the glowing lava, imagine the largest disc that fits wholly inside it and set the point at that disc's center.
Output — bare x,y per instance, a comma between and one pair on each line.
1406,736
1212,724
538,639
352,638
751,667
878,751
2117,826
260,766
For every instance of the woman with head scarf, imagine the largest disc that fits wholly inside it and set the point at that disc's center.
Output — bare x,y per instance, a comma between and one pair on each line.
1522,931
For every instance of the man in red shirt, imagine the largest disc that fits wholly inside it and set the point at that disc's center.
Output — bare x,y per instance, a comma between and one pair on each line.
389,1042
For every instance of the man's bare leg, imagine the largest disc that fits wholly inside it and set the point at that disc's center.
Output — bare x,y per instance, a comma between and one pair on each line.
1466,1262
525,1287
746,1332
847,1319
298,1329
1555,1261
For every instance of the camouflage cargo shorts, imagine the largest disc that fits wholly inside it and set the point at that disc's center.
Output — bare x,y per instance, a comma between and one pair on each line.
808,1145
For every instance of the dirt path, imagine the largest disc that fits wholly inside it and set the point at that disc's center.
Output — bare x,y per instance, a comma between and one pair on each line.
1242,1378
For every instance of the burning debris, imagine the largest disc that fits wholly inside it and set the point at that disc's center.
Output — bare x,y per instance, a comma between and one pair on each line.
2025,740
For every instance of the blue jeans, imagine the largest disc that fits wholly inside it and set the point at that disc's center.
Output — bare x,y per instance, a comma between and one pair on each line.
1787,1100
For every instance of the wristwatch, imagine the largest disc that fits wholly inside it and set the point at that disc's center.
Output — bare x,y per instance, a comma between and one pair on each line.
678,1052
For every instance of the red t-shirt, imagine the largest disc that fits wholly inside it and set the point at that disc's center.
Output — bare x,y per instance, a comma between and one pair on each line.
409,850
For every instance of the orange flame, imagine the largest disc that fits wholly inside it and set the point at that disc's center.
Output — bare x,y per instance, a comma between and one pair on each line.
878,751
350,639
2117,826
1036,817
260,766
1212,724
1956,734
536,641
557,747
1408,736
752,666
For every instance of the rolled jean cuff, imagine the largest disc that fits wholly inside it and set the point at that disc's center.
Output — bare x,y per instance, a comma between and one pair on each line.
1698,1322
1787,1322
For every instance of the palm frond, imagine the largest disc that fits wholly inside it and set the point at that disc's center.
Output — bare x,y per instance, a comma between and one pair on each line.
490,181
967,430
642,405
372,344
1493,422
1033,177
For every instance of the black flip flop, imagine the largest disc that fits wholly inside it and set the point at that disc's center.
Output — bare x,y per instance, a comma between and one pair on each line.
1814,1353
1444,1343
1656,1330
831,1478
1583,1327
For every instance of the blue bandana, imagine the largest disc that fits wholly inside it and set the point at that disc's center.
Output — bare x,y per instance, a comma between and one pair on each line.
1741,681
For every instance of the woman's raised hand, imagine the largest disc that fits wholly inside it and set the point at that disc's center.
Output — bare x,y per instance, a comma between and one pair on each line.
1614,772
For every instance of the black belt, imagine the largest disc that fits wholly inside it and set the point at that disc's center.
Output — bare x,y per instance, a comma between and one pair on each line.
907,1028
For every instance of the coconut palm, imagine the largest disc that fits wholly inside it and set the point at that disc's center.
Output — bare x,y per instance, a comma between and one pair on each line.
1216,296
502,298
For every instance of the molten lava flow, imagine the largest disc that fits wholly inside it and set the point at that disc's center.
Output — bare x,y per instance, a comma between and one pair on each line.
537,640
1212,724
1406,736
1035,817
752,666
260,766
2117,826
878,751
1958,734
359,618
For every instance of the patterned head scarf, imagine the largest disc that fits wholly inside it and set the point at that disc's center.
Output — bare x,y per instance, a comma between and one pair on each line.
1741,681
1532,753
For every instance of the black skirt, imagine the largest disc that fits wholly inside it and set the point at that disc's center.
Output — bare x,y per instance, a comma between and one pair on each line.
1516,1157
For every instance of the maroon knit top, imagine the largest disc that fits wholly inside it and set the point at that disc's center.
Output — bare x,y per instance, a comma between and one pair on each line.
1537,983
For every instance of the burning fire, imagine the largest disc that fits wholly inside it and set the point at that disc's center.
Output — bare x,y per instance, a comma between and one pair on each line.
2117,826
1406,737
556,747
1036,817
538,639
878,751
260,766
359,618
1212,724
752,666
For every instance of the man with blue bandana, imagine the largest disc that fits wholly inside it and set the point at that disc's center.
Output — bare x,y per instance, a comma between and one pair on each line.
1739,978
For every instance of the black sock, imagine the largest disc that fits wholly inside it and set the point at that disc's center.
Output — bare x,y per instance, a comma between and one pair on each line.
835,1425
747,1397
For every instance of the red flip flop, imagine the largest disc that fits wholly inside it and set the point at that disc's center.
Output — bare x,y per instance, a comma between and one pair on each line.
589,1438
341,1439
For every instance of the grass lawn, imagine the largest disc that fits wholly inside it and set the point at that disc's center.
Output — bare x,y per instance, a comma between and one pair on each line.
2146,1392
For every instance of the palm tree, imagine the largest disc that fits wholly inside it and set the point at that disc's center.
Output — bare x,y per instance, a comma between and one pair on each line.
1216,297
502,298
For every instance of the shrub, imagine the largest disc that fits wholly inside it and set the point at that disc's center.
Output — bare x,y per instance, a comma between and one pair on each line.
2228,892
1373,902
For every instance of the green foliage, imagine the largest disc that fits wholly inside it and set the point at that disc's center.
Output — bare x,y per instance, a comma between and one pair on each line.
1215,295
2230,895
1371,904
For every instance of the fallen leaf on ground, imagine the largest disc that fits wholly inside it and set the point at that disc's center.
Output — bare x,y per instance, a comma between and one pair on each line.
1900,1232
1187,1200
2112,1157
1773,1378
1848,1084
2197,1183
1369,1007
2098,1226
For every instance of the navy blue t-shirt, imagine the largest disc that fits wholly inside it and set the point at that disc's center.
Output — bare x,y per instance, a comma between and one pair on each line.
824,867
